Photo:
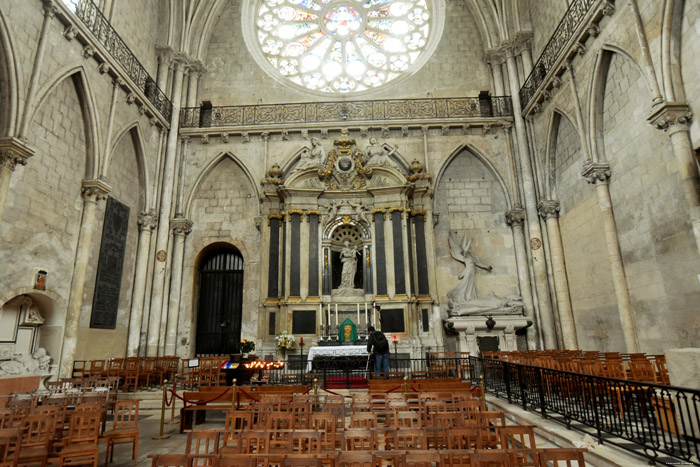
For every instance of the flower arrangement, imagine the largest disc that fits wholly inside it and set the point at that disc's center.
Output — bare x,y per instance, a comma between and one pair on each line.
246,345
284,341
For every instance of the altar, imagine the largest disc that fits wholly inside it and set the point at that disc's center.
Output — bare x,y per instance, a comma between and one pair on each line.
334,351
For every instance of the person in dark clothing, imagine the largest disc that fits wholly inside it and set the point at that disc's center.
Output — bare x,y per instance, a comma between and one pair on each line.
378,344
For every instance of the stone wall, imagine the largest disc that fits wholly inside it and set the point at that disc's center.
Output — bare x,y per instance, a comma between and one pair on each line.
689,37
138,23
545,16
233,77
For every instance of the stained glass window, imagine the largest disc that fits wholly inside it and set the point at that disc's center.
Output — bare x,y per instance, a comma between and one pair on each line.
342,46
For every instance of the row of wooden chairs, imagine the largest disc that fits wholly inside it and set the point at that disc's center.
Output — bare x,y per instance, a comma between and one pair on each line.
206,372
447,458
632,366
134,372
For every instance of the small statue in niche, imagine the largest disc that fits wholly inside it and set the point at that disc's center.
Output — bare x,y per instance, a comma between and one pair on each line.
31,312
376,155
312,158
348,256
463,300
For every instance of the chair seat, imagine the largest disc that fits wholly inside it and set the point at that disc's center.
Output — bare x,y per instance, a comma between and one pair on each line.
32,453
121,433
76,448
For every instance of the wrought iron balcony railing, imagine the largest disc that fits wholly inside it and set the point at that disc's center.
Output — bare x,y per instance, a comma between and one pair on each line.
562,36
353,111
91,16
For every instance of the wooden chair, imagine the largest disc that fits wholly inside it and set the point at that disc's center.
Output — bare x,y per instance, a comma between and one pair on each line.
236,460
280,421
169,460
356,459
10,444
521,441
464,438
79,369
125,429
306,442
255,442
302,460
492,458
327,425
422,459
406,419
410,439
80,446
359,439
37,433
561,457
238,419
363,420
203,445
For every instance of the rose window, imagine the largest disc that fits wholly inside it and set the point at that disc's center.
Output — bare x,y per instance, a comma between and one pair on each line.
343,46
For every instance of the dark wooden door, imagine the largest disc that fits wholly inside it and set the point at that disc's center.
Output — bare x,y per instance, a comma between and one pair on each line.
220,303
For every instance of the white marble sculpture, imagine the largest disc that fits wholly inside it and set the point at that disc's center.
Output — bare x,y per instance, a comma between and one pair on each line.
311,158
25,364
463,300
348,256
377,155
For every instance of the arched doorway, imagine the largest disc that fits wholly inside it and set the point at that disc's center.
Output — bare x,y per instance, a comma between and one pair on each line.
220,302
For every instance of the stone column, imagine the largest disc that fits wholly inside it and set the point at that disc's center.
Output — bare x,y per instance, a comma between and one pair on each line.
181,227
598,174
93,191
164,59
12,152
530,194
162,237
516,218
675,118
193,83
495,59
147,222
549,210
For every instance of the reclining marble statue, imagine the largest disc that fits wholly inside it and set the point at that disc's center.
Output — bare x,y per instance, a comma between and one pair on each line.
463,300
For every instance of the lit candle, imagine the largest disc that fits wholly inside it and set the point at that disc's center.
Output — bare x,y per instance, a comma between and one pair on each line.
358,314
301,341
366,320
336,314
320,316
328,321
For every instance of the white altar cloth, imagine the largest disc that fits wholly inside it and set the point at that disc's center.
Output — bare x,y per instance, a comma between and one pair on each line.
334,351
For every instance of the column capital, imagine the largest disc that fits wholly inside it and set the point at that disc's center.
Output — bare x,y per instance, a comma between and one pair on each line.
14,151
548,209
95,190
164,54
596,173
50,8
148,220
495,56
515,216
181,226
671,117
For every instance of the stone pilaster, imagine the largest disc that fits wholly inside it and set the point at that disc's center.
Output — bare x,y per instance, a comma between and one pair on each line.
549,211
181,228
93,191
147,222
515,218
13,152
598,174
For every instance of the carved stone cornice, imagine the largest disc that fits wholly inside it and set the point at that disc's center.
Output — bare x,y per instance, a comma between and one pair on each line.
596,173
515,217
494,57
548,209
95,190
181,226
671,117
148,220
310,212
274,215
14,151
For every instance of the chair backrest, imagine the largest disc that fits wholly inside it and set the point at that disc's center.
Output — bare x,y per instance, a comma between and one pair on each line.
235,460
238,419
201,444
408,419
464,438
561,457
359,439
363,420
37,429
169,460
492,458
126,414
422,459
410,439
84,426
10,444
280,421
255,442
356,459
306,441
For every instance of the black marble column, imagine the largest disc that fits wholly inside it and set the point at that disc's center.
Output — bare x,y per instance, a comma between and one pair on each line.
399,261
367,261
313,255
294,256
327,285
283,287
421,258
411,266
273,275
380,261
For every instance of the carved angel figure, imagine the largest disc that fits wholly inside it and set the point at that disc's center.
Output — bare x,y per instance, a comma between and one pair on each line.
312,158
376,155
466,289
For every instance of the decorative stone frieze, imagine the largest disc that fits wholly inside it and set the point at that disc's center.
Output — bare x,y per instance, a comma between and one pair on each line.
515,216
14,151
548,209
671,117
95,190
181,226
596,173
147,220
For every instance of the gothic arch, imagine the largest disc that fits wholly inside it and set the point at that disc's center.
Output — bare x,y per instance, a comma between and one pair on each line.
208,169
134,130
10,71
484,160
88,109
551,150
671,50
596,96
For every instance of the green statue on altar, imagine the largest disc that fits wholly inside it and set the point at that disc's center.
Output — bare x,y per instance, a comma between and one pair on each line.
347,332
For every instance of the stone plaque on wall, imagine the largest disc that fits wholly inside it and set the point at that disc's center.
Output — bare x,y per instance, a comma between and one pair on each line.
392,320
304,321
105,302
